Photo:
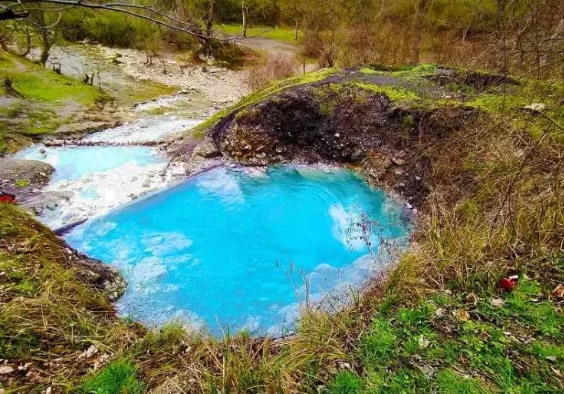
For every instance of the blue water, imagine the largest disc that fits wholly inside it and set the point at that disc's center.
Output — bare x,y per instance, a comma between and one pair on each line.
229,249
73,163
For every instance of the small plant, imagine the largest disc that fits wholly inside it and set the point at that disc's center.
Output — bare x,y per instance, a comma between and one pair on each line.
117,378
345,382
22,183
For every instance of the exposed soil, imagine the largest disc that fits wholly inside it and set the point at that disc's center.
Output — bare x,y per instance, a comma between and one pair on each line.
338,123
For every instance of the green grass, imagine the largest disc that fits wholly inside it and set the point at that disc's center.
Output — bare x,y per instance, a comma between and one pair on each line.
36,82
394,93
283,34
39,107
117,378
427,348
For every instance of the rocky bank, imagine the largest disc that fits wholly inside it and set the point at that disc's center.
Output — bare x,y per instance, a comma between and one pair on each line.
378,124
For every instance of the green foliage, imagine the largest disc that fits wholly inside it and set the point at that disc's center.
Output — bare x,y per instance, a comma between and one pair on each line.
449,382
35,82
108,28
22,183
493,346
345,382
117,378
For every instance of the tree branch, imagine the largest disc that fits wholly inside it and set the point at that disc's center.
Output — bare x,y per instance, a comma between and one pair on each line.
124,8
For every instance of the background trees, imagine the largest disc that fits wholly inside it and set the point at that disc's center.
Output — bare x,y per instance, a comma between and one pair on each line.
504,35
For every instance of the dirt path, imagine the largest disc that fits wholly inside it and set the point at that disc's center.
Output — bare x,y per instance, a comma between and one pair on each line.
272,48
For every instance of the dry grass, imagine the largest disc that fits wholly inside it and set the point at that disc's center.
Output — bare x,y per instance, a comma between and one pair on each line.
277,67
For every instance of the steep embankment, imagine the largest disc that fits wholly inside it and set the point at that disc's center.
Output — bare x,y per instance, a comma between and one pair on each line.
388,126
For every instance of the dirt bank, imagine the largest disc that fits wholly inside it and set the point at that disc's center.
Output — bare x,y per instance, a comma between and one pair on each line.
346,119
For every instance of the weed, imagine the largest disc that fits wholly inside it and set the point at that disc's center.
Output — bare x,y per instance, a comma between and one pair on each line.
117,378
345,382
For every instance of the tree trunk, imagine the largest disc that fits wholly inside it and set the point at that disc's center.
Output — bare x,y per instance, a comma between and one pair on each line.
244,14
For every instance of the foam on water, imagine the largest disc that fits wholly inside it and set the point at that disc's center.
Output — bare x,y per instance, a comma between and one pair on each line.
232,248
93,180
149,129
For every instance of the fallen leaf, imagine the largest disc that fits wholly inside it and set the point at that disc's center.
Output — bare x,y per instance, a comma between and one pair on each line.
423,343
472,298
92,350
462,315
556,371
24,367
558,292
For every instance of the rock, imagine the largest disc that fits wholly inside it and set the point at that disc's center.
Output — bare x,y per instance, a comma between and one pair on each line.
37,172
497,302
535,107
207,149
398,162
5,370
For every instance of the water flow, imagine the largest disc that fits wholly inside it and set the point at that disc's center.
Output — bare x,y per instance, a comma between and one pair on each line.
228,248
90,181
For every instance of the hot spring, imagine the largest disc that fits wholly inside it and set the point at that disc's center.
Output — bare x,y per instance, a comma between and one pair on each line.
246,249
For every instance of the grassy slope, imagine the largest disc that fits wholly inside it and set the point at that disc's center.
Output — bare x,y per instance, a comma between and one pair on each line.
438,324
42,93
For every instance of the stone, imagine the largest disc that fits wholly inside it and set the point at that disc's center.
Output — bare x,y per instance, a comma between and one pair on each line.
398,162
207,149
6,369
497,302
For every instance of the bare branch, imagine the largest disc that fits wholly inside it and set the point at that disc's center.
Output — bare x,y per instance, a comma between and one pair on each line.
124,8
